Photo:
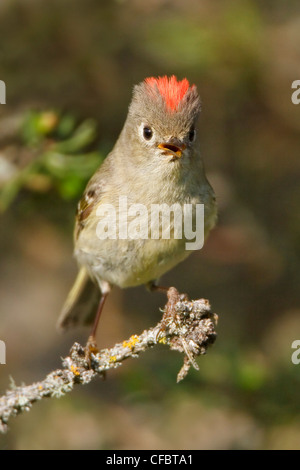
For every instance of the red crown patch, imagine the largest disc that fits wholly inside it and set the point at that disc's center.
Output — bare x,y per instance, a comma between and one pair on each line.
170,89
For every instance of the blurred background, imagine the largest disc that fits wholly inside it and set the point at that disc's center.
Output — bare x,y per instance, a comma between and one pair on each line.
69,68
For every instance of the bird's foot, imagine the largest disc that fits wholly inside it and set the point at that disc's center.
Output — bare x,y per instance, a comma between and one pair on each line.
169,311
90,348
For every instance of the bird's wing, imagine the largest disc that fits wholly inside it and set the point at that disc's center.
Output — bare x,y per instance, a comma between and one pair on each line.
91,197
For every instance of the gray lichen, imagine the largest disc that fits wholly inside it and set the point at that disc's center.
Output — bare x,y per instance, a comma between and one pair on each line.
186,326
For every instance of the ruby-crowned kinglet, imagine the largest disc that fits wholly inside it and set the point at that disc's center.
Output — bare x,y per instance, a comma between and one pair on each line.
156,160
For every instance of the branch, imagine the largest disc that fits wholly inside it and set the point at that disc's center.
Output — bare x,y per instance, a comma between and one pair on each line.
186,326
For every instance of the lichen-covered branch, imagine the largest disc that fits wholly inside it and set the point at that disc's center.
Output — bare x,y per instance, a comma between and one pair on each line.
186,326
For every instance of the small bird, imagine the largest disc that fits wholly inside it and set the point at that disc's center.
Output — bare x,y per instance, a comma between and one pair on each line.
156,160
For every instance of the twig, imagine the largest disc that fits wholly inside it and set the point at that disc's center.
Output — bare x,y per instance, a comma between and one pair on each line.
186,326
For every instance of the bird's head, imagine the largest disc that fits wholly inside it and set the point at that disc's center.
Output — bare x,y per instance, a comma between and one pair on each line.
162,118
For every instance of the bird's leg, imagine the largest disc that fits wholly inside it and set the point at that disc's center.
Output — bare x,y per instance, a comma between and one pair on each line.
91,345
153,287
169,291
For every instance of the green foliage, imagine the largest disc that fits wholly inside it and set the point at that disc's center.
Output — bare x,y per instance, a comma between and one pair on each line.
61,156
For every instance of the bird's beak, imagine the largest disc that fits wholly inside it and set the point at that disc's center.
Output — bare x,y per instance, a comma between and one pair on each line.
174,147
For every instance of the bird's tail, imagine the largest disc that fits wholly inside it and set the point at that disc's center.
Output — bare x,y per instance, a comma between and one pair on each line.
81,304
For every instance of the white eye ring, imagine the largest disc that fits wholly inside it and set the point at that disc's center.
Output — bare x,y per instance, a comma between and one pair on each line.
146,133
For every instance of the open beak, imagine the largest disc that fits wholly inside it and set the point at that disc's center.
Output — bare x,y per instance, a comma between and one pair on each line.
172,148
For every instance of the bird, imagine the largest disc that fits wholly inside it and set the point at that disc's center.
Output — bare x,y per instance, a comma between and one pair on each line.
156,160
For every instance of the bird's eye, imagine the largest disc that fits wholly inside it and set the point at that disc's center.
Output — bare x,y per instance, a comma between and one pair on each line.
147,132
192,134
